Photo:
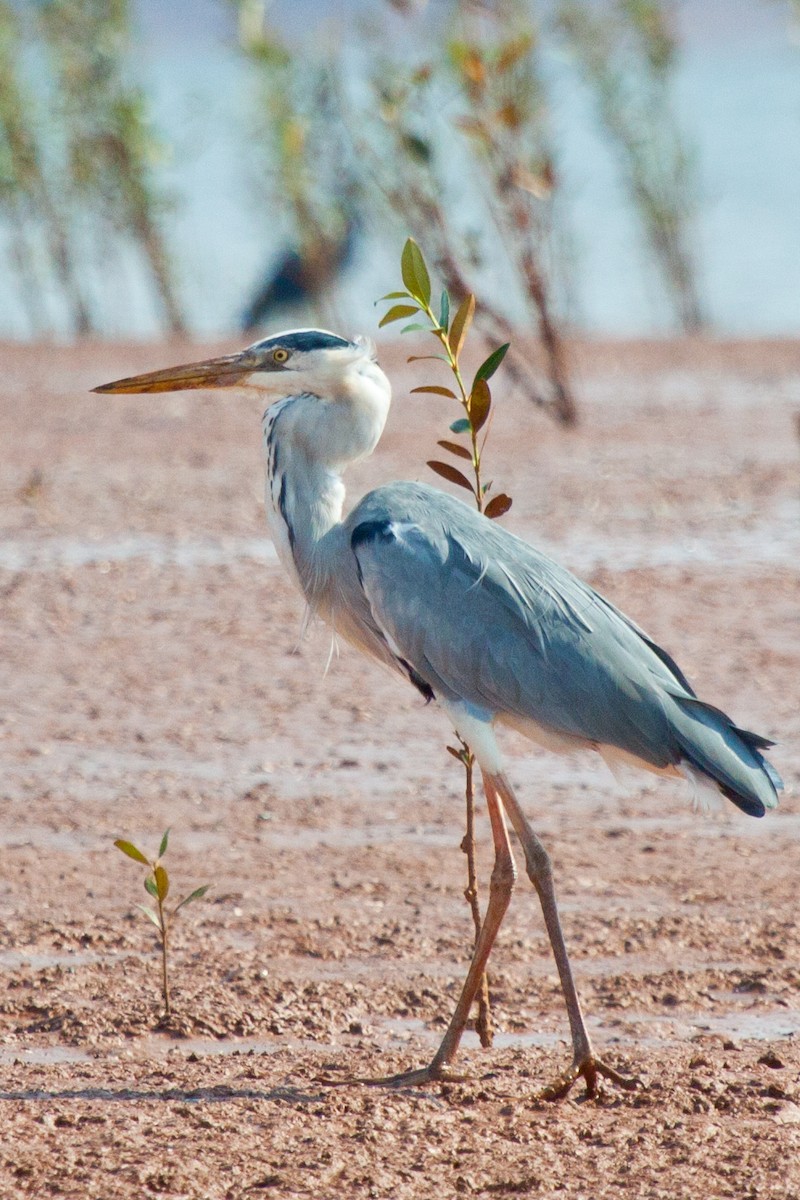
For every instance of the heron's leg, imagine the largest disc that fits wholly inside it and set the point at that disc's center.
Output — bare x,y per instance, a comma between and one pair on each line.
501,885
584,1063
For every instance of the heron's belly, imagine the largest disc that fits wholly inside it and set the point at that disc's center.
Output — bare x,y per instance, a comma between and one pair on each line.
567,743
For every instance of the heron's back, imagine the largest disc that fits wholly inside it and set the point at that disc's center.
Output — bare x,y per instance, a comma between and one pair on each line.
484,619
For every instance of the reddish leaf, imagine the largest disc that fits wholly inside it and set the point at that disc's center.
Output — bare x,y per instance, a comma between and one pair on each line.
454,448
452,474
435,390
162,882
480,402
461,323
131,851
472,125
497,506
513,51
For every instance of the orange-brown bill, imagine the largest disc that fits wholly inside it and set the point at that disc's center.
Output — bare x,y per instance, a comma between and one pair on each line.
226,371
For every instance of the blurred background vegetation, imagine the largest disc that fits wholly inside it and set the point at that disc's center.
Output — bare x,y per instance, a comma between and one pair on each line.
622,166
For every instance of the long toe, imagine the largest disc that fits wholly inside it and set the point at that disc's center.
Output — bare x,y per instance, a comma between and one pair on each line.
589,1069
419,1077
423,1075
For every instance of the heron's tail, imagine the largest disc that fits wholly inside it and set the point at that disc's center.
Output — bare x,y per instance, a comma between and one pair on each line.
730,756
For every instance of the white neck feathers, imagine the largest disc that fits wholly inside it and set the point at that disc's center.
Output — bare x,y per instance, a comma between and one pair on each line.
309,441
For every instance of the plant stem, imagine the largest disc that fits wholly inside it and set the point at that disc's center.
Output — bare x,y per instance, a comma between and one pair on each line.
483,1024
473,433
162,921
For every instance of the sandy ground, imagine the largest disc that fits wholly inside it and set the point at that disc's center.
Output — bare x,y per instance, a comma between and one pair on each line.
151,677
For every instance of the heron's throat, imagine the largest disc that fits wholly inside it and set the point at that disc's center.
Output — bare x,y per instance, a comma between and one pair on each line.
304,501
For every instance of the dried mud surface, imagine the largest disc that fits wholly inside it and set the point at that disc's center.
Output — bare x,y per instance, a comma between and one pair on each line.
151,677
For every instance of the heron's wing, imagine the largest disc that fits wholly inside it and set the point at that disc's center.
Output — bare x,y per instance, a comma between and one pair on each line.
485,619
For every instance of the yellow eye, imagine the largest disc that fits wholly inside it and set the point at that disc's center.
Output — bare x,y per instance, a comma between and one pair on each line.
280,355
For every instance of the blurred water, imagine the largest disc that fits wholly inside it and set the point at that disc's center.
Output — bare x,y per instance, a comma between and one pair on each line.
738,97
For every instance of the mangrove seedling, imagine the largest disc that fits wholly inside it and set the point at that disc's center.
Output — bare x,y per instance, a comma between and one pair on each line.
156,884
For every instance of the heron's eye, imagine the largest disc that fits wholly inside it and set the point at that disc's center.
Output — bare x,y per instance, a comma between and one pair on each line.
280,355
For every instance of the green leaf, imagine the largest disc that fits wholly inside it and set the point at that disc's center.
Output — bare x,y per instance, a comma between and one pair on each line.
462,425
153,916
497,506
480,402
487,368
150,887
461,323
444,312
454,448
415,273
394,296
197,894
396,313
427,358
131,851
414,327
162,882
435,390
457,754
452,474
162,849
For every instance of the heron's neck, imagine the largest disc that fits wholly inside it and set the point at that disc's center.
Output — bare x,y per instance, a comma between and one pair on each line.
308,444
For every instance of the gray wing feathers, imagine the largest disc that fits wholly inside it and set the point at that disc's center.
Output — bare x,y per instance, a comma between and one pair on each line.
486,619
711,742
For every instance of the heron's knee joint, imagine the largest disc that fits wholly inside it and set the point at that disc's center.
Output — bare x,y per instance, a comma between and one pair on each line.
538,863
504,875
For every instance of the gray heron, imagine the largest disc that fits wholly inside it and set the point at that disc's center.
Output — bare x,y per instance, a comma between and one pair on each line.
476,619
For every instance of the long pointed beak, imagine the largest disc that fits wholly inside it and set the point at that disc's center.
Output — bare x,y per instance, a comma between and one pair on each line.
227,371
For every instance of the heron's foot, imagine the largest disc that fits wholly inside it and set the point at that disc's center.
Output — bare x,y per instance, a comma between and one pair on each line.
590,1069
433,1073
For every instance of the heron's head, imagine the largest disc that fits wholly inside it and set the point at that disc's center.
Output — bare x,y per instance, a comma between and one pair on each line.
298,361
